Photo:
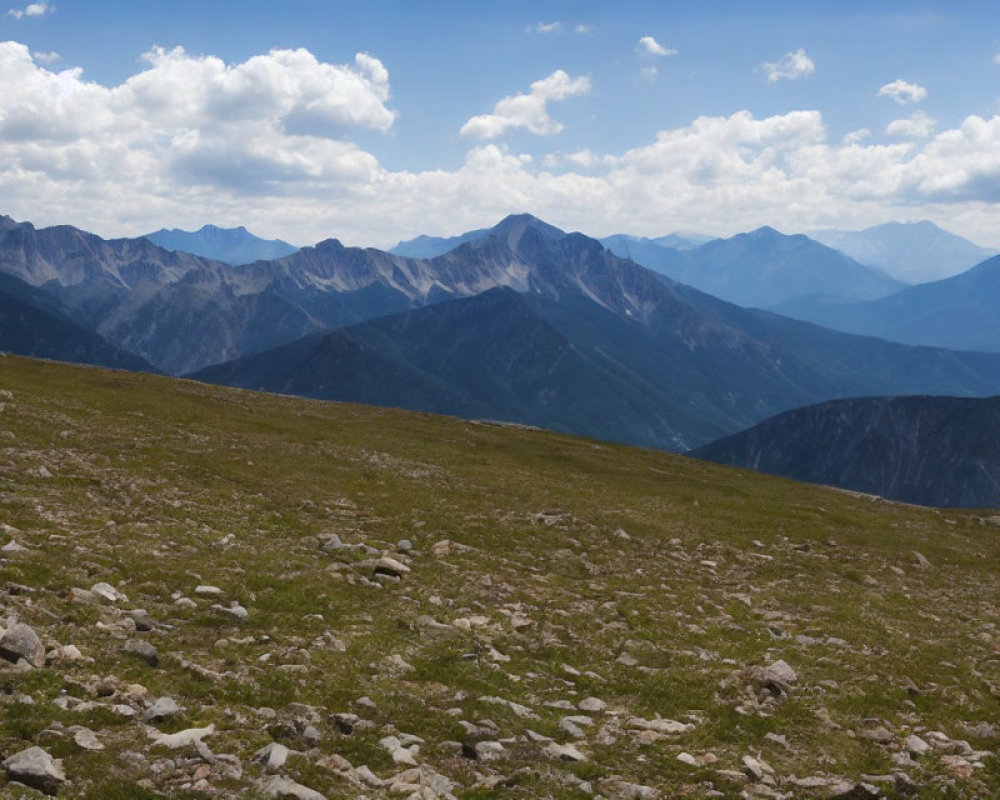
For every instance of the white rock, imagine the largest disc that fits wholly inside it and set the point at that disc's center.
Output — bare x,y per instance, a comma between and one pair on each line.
273,756
205,590
175,741
915,745
489,751
108,592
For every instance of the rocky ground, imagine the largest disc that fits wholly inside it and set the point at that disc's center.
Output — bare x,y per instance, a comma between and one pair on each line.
209,593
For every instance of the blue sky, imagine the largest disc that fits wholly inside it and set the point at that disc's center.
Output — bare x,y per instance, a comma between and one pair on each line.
645,118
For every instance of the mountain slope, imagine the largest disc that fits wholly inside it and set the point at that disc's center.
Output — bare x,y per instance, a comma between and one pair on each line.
229,245
958,312
913,252
940,451
486,589
31,324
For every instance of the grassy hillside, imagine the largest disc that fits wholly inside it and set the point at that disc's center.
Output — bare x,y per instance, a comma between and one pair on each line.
557,589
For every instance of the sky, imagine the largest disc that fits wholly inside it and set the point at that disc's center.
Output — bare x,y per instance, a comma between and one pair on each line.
375,122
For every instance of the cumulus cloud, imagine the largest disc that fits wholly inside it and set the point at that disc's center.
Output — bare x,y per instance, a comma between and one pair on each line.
917,126
528,111
902,92
790,66
648,46
31,10
46,58
273,118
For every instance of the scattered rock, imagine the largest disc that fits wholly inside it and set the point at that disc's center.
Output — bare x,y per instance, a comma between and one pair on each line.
85,738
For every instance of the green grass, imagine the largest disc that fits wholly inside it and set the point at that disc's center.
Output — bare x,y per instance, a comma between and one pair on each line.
178,466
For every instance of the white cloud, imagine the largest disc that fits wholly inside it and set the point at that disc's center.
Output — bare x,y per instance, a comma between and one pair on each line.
528,111
790,66
546,27
265,143
31,10
582,28
917,126
46,58
648,46
902,92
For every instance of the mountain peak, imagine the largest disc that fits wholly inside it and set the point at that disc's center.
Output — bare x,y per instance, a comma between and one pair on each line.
518,223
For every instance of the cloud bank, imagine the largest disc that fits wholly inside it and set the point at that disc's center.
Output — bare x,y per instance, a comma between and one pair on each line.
268,143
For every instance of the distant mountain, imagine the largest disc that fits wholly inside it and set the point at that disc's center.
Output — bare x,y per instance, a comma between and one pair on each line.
913,252
939,451
648,252
431,246
763,268
31,324
228,245
959,312
596,345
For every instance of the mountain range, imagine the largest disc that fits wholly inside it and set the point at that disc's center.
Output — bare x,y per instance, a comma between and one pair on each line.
685,367
939,451
522,323
913,252
229,245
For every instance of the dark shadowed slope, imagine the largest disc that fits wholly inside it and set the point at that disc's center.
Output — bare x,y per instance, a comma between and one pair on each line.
940,451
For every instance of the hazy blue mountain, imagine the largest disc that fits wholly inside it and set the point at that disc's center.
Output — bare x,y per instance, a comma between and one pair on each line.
431,246
940,451
32,324
764,267
650,252
913,252
959,312
629,355
228,245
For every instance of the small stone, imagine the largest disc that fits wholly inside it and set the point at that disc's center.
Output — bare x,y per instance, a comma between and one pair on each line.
13,546
687,758
489,751
20,641
205,590
564,752
281,788
916,746
592,704
85,738
756,769
36,768
107,592
162,708
142,650
273,756
404,546
387,565
922,560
